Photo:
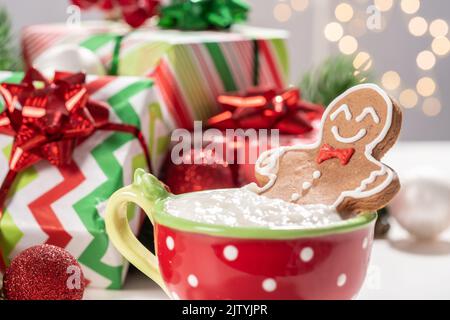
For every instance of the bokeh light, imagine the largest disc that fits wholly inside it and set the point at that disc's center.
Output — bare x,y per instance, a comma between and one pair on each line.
426,86
348,45
299,5
438,28
357,27
390,80
408,98
426,60
282,12
362,61
418,26
440,46
333,31
431,106
383,5
344,12
410,6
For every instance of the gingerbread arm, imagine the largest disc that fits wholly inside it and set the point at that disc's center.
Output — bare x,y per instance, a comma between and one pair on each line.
265,166
374,193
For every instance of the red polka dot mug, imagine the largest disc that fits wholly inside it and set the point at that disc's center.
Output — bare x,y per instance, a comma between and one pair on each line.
205,261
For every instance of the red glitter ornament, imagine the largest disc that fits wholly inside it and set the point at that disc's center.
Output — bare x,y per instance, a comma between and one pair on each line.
195,174
44,272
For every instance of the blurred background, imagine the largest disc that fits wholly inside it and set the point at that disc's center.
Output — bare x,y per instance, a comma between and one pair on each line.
404,43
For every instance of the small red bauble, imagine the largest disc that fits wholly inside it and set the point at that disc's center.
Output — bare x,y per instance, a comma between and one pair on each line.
44,272
189,176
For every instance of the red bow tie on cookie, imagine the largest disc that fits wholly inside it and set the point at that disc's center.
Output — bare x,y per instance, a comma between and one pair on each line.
327,152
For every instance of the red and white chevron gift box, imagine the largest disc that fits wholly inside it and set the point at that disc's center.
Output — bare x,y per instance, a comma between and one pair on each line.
64,206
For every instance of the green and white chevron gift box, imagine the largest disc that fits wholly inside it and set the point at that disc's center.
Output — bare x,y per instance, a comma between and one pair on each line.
190,68
65,206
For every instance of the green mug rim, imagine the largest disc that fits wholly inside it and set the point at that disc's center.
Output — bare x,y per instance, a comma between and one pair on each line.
163,218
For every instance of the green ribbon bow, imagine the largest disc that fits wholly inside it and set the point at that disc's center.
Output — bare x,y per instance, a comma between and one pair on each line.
203,14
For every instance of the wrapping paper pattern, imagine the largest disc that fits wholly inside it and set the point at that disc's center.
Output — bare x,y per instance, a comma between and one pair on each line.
189,68
64,206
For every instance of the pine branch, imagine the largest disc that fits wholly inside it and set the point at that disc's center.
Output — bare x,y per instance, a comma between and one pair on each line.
9,57
337,74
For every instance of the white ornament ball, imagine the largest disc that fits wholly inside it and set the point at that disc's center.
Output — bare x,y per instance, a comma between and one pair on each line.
422,207
71,58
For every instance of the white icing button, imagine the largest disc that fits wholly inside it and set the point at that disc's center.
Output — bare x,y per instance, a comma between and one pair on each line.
365,243
295,196
306,254
192,280
317,174
269,285
230,253
341,280
170,243
175,296
306,185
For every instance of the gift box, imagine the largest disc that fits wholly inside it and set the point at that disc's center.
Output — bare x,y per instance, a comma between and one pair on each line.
190,68
64,205
223,154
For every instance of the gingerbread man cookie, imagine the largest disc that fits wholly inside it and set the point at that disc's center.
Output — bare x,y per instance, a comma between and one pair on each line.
343,168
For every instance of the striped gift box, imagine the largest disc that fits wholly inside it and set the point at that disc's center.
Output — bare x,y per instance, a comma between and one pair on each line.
189,68
65,206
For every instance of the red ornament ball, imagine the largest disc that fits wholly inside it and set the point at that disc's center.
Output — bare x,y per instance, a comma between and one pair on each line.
189,176
44,272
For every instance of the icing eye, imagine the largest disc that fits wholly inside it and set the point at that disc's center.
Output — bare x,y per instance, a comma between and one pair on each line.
343,108
366,112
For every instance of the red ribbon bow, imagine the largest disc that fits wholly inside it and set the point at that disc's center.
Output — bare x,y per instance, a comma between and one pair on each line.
327,152
270,109
134,12
47,123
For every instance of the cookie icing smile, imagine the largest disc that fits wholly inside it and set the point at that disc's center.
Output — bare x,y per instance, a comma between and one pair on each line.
358,136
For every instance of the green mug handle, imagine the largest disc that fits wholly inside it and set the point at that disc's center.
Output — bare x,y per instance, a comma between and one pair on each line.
143,192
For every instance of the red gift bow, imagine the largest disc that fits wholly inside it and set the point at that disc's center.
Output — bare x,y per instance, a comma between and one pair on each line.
48,123
327,152
134,12
270,109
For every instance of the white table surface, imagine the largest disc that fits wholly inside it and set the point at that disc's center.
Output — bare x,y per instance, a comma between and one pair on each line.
400,268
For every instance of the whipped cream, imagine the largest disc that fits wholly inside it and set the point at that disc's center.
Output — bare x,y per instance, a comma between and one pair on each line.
241,207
